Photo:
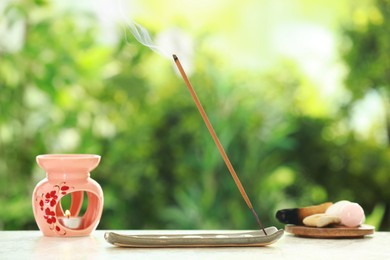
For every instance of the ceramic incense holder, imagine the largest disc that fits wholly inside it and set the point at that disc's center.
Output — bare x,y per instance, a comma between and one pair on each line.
67,175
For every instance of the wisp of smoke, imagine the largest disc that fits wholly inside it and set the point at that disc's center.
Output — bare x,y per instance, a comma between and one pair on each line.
140,33
171,41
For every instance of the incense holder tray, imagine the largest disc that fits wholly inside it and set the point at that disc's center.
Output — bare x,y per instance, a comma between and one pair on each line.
223,238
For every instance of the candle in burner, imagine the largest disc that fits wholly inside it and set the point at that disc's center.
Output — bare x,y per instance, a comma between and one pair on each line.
70,222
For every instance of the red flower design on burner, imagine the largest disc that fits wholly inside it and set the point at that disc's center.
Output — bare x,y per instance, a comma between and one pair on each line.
48,202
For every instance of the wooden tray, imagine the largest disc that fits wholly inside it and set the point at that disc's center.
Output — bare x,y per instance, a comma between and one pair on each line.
330,232
248,238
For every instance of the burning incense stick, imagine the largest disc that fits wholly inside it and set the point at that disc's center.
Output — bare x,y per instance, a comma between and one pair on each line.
216,140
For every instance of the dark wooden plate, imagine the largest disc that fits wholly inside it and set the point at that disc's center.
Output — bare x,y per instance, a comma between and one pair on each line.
331,232
221,238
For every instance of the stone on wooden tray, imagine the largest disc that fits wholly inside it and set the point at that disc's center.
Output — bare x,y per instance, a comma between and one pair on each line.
321,220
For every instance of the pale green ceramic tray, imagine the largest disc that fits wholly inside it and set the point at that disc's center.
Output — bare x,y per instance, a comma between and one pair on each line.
250,238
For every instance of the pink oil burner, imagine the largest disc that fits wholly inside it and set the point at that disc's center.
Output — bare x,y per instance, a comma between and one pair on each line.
67,180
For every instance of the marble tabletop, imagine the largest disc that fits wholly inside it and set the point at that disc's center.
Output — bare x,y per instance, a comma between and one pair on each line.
33,245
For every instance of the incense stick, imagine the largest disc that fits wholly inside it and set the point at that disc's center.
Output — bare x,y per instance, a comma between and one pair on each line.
216,140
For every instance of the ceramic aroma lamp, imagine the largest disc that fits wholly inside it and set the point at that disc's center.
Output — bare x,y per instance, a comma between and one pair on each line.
67,175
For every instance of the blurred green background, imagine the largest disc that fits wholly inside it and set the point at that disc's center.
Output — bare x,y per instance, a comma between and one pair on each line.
298,92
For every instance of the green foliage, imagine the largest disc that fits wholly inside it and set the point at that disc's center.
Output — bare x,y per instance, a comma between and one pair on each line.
369,51
63,91
368,59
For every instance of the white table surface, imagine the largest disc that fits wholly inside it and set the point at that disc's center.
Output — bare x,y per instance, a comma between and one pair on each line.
33,245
